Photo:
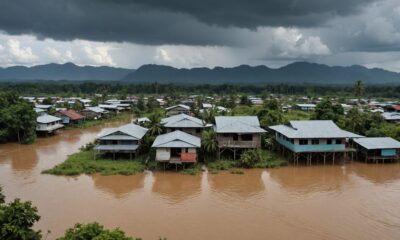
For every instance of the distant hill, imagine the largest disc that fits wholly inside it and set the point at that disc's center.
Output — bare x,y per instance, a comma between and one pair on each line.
295,73
67,71
299,72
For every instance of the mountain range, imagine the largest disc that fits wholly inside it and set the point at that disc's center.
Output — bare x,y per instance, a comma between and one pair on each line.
295,73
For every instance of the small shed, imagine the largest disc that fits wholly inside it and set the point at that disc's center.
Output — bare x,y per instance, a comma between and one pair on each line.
70,117
375,149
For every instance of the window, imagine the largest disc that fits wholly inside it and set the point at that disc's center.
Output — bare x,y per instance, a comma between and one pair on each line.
315,141
338,141
247,137
303,141
329,141
198,130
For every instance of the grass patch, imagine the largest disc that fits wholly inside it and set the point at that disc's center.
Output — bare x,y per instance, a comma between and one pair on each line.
83,163
257,158
192,170
124,116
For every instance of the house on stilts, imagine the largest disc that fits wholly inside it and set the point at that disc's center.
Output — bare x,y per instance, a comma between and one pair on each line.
177,148
126,139
237,133
184,123
313,140
377,149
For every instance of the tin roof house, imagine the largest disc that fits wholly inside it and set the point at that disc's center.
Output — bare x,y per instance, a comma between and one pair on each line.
237,133
48,123
94,112
70,117
312,138
376,149
176,147
183,123
125,139
178,109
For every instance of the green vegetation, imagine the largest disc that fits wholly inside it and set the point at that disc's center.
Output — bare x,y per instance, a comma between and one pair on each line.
17,219
84,163
17,119
256,158
113,118
192,170
94,231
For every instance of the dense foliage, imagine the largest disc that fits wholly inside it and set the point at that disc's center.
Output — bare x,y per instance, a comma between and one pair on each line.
94,231
17,219
64,88
17,119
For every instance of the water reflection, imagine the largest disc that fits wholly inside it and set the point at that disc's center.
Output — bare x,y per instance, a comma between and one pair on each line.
240,185
311,179
176,188
377,173
118,186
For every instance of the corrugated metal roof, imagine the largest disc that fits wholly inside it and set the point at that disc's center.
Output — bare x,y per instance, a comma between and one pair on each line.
42,106
237,124
177,106
378,143
47,119
182,121
176,139
96,109
391,116
72,114
39,110
129,129
118,137
313,129
116,147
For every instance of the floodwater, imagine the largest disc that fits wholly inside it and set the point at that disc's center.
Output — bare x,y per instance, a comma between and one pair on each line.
355,201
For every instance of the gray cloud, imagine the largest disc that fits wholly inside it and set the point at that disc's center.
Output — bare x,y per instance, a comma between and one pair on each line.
154,22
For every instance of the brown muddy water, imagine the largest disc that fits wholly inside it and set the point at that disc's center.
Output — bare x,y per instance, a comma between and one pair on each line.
355,201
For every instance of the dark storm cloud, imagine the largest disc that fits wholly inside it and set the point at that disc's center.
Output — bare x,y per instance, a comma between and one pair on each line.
165,21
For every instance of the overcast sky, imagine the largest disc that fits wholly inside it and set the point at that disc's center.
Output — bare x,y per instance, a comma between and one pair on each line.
207,33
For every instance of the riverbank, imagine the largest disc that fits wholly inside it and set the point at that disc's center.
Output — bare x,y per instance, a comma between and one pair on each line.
124,116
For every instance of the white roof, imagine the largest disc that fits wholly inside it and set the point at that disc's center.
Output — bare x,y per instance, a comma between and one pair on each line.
177,139
47,119
182,121
96,109
237,124
391,116
130,129
378,142
178,106
313,129
307,105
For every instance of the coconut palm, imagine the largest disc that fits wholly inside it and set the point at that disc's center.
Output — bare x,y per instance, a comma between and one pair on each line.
209,141
154,125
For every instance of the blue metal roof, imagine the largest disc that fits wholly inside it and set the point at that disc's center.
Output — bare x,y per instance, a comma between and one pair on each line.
378,142
176,139
130,129
182,121
237,124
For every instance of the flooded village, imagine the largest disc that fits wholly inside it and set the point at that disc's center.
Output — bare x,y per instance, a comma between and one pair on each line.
210,167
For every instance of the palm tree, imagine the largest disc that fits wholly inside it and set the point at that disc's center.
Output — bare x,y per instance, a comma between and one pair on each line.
209,141
359,89
155,127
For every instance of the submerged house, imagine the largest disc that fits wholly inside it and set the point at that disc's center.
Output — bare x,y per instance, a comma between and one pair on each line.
237,133
48,123
176,147
375,149
126,139
178,109
70,117
312,139
184,123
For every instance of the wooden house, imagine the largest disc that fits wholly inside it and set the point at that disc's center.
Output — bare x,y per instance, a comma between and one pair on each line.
178,109
184,123
312,139
238,132
176,147
94,112
126,140
376,149
69,117
48,124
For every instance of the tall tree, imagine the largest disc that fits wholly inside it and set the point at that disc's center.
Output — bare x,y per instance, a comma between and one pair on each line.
359,89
